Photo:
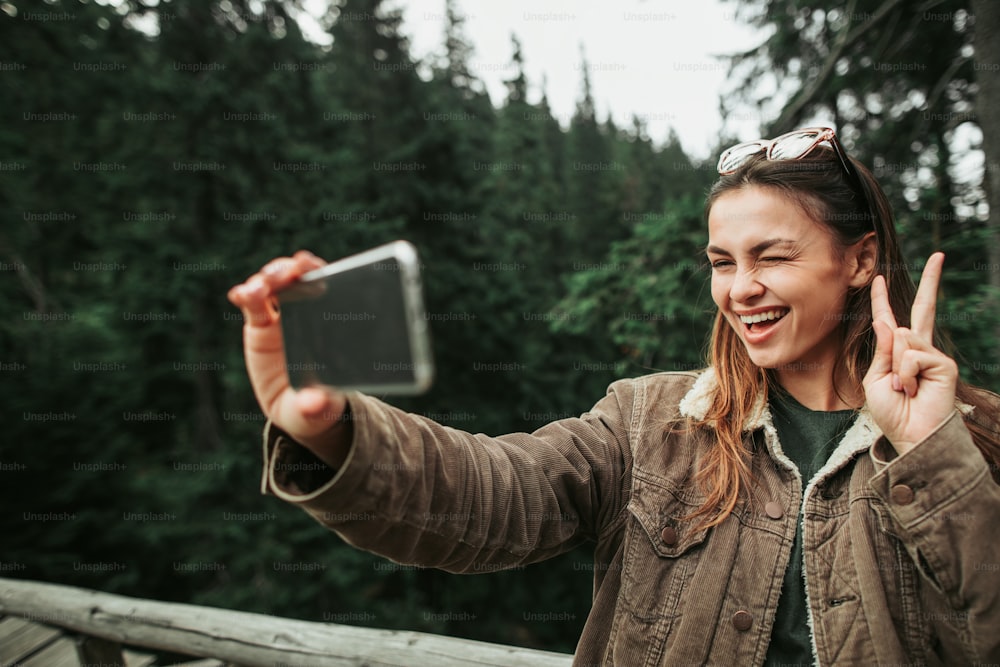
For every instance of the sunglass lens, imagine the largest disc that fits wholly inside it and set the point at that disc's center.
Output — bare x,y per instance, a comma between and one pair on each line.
792,146
737,155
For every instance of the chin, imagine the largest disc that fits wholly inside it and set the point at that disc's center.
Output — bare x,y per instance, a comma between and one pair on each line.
769,366
768,361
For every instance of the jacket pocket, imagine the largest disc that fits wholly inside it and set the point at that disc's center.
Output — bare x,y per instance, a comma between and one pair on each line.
662,550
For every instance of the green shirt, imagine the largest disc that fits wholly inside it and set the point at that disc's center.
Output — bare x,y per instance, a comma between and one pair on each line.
807,437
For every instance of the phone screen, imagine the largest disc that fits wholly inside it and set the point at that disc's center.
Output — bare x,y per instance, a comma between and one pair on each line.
360,326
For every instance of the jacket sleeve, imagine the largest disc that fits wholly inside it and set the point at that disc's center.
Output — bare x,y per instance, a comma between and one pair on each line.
421,493
943,498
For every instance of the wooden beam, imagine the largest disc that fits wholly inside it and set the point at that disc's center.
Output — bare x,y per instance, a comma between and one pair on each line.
254,640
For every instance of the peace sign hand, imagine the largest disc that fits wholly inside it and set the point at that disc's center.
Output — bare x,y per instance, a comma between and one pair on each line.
910,387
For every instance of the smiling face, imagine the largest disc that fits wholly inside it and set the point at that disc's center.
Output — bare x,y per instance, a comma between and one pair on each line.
780,280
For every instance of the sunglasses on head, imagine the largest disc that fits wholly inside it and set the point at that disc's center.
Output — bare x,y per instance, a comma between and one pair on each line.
793,146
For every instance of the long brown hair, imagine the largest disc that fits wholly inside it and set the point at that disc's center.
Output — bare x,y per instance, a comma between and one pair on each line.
818,185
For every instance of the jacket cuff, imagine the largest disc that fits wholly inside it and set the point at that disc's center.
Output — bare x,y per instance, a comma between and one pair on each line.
294,474
882,453
935,472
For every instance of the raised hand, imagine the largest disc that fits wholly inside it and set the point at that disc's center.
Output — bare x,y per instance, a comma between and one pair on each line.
310,416
910,387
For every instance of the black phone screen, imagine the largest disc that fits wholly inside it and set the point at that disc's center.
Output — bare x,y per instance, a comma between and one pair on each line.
357,329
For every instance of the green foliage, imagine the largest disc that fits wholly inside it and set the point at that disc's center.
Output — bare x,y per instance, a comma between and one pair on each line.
651,294
157,155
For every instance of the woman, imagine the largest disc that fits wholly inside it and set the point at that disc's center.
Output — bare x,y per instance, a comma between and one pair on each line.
821,492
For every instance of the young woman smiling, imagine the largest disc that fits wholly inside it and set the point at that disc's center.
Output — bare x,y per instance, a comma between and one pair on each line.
821,493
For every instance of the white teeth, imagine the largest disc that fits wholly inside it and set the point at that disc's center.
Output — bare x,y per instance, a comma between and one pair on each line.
761,317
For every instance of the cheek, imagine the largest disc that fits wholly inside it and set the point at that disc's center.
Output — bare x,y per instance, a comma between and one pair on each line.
823,309
720,290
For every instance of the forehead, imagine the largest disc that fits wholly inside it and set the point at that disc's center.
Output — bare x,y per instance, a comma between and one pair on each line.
750,214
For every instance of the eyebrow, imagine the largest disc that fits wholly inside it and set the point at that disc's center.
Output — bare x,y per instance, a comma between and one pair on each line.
755,250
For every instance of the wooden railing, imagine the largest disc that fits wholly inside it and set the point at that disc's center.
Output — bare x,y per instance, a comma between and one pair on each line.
254,640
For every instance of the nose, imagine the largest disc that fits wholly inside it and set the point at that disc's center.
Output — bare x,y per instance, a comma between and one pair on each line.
745,286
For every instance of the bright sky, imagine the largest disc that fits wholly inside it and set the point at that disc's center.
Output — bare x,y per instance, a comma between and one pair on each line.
651,59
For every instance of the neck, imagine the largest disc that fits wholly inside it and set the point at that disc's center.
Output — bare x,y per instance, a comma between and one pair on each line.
817,390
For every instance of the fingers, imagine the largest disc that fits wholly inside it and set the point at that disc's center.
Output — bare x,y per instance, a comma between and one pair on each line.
894,342
882,361
881,308
924,309
281,272
923,361
914,358
312,416
263,344
302,414
255,297
902,359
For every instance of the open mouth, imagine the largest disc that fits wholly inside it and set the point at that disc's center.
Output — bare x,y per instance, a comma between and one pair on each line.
761,321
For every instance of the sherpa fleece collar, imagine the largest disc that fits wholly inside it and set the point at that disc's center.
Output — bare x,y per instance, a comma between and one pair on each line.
862,434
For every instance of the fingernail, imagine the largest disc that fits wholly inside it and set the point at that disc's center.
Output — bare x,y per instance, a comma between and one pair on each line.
897,385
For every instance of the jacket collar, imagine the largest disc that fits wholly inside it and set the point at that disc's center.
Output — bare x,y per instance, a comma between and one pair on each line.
861,435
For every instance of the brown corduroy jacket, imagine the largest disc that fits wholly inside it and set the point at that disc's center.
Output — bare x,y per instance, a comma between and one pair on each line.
901,556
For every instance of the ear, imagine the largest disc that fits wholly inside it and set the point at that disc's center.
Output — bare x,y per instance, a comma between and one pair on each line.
863,260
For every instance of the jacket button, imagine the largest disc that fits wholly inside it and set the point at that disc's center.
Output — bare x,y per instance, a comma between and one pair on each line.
742,620
773,510
669,536
901,494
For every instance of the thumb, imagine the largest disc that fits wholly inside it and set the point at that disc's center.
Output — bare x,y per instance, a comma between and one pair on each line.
309,413
321,404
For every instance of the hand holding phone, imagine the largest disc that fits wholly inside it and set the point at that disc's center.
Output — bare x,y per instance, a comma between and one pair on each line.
356,323
313,416
359,323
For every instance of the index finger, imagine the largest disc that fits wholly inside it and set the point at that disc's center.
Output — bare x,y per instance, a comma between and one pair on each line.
881,308
923,313
281,272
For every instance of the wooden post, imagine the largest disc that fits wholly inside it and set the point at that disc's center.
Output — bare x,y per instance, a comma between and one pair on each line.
97,651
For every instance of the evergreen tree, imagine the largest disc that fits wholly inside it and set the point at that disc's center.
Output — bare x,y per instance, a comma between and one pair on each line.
595,176
202,139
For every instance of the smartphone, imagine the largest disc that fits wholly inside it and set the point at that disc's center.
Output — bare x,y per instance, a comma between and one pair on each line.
359,323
